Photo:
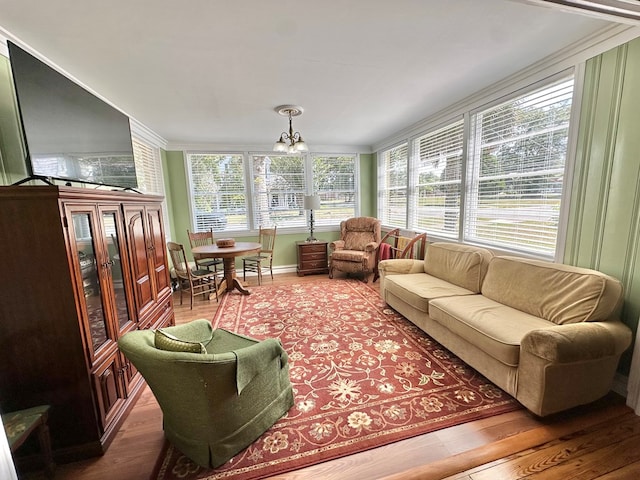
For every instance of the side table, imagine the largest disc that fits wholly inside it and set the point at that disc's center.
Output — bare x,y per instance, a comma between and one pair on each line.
312,258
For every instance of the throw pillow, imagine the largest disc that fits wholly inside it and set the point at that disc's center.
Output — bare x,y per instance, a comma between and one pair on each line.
166,341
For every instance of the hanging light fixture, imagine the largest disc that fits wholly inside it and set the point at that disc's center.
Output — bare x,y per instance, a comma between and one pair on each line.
290,142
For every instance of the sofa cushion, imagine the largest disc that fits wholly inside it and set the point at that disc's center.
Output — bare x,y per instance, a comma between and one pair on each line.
462,265
418,289
492,327
555,292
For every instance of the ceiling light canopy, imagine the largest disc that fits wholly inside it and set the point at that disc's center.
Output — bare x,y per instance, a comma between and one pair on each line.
290,142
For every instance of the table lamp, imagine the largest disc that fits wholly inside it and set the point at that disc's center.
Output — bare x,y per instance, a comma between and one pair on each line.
311,203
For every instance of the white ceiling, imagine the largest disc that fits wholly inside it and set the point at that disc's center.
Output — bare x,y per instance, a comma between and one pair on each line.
212,71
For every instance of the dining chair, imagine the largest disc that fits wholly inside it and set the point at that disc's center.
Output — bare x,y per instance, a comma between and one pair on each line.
199,239
195,281
254,263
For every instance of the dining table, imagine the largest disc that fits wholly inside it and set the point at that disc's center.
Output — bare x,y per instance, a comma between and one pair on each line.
228,255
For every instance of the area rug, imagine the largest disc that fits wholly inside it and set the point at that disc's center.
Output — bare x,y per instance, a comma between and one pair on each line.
363,377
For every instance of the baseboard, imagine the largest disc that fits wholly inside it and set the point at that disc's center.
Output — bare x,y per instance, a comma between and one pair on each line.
620,384
276,270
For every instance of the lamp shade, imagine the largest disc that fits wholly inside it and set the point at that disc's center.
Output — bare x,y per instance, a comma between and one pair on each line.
311,202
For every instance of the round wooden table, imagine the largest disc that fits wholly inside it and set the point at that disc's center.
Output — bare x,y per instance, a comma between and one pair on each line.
228,256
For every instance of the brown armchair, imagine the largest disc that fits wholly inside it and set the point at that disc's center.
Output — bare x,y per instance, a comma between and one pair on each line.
355,252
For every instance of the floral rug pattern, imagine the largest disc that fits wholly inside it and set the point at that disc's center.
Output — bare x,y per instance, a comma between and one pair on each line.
363,376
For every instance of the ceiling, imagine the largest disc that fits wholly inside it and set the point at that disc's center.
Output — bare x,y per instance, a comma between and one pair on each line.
211,71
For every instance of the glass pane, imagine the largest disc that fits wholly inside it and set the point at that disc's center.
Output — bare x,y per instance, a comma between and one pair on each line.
113,250
334,181
218,192
278,190
84,237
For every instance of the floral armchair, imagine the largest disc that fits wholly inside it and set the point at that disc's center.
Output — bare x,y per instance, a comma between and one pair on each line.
355,252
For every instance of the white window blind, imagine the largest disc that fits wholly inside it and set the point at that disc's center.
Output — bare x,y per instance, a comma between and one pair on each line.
334,179
518,153
392,186
148,168
218,194
278,190
437,169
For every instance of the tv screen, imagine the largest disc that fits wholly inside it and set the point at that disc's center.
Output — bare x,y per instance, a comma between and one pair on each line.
70,134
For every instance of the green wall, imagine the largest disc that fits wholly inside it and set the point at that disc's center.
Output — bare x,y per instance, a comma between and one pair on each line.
285,251
604,222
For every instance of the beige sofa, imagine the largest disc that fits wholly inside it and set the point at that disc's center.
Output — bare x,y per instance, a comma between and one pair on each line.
546,333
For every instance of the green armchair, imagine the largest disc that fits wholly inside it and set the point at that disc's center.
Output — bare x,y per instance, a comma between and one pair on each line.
218,391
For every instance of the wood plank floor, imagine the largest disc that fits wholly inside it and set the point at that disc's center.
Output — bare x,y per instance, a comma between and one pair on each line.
598,441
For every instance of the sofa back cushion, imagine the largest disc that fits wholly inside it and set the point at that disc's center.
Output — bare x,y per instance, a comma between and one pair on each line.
552,291
462,265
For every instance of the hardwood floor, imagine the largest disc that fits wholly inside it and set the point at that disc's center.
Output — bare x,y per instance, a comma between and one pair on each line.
598,441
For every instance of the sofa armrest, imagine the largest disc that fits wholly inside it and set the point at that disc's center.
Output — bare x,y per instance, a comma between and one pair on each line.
337,245
578,341
568,365
400,266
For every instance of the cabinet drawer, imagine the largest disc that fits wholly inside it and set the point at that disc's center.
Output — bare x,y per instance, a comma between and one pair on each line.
314,256
313,247
313,264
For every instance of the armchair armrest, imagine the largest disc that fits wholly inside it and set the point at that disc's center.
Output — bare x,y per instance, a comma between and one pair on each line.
578,341
371,247
337,245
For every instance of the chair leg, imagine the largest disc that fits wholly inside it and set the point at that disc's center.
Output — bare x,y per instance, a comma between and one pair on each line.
271,268
45,445
259,273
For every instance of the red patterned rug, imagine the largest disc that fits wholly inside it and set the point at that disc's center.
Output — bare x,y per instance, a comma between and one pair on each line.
363,376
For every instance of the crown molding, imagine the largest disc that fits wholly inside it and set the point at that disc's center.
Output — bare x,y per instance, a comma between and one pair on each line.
230,148
622,11
561,61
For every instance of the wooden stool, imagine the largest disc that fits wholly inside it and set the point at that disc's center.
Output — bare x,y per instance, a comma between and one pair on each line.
19,425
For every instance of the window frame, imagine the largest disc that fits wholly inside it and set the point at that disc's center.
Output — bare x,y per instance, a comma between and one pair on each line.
467,195
249,186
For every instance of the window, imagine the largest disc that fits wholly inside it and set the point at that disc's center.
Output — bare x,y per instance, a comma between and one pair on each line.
148,167
392,186
438,167
278,190
218,195
518,153
494,177
271,190
334,180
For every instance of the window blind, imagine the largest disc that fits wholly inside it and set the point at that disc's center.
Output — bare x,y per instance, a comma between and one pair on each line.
148,169
516,170
218,193
334,179
437,169
392,187
278,190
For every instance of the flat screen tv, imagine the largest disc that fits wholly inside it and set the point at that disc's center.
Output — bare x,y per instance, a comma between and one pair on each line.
70,134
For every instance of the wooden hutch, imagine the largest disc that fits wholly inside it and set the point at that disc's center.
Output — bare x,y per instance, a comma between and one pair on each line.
80,268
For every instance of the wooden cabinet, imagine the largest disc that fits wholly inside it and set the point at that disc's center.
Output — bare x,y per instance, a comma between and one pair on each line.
312,258
81,268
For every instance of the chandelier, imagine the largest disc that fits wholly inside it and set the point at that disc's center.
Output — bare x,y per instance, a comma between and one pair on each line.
290,142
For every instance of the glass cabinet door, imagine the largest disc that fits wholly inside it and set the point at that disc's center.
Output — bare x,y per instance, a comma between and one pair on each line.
113,245
85,251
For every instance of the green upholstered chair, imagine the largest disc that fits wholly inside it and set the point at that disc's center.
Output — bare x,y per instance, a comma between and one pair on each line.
217,395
